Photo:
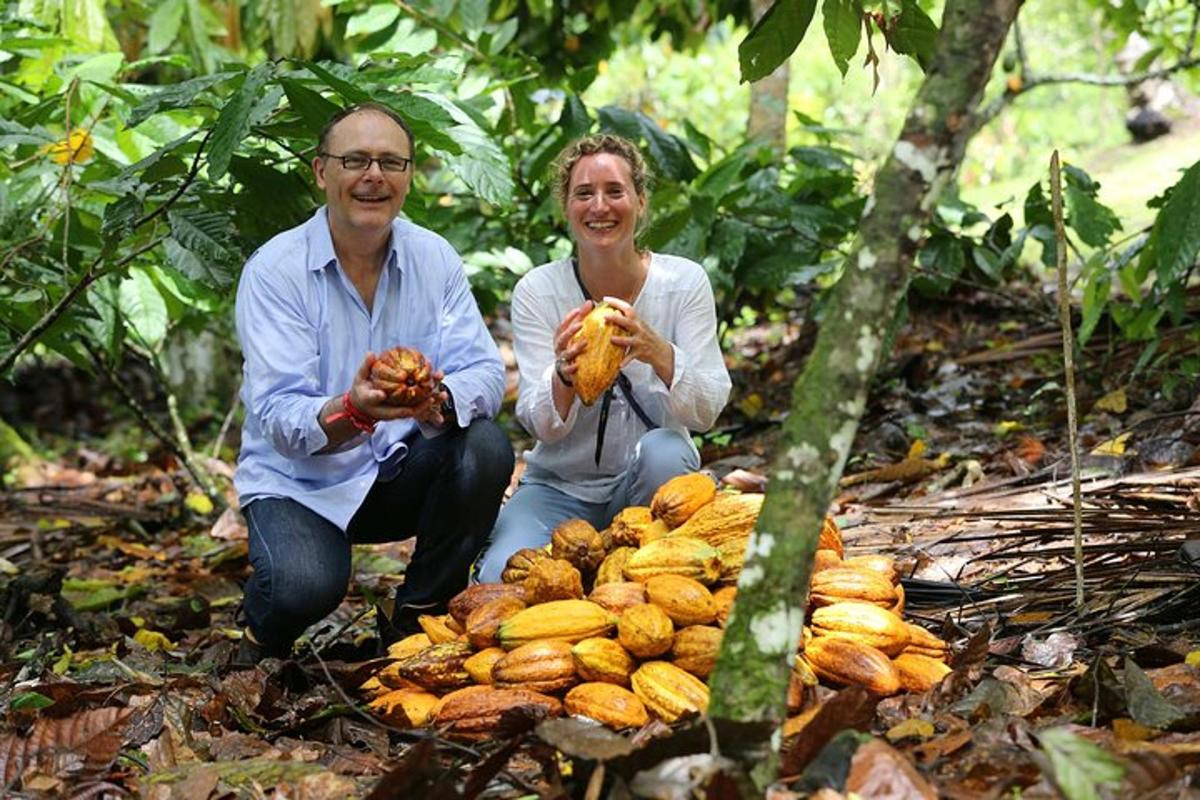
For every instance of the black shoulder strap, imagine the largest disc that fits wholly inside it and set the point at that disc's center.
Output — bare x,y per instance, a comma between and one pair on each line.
622,381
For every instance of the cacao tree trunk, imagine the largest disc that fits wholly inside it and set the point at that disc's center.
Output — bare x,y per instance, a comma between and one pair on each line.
749,683
769,99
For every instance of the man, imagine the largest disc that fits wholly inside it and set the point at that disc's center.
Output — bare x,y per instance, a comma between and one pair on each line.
325,462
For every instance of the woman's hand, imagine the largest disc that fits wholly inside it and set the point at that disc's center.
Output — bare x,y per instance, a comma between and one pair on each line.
566,351
643,342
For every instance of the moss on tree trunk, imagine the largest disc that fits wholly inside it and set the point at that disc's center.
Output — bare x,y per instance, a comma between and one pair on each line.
751,675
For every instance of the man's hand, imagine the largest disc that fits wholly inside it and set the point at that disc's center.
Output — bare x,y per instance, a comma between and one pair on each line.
373,402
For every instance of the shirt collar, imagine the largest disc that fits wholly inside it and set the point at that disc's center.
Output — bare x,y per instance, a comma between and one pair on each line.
320,242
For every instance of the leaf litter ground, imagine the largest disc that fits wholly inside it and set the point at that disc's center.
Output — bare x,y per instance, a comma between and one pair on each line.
119,606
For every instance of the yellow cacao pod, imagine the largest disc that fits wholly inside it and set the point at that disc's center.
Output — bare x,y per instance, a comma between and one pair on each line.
608,704
438,667
436,629
919,673
668,691
723,599
826,559
479,666
616,597
831,537
404,648
922,639
654,530
846,662
627,524
552,579
579,543
728,516
847,583
679,498
862,622
543,666
612,568
484,621
568,620
597,366
695,649
645,630
674,555
732,553
474,713
603,660
875,562
404,708
687,601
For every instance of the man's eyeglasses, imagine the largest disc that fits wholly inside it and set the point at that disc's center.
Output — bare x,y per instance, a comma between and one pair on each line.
360,163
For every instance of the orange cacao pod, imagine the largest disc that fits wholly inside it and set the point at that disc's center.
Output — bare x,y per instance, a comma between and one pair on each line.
826,559
484,621
919,673
404,708
679,498
616,597
847,662
404,375
552,579
831,537
474,713
579,543
723,600
695,649
876,562
627,525
597,366
436,629
686,600
608,704
475,595
862,622
847,583
728,516
603,660
668,691
645,631
543,666
921,639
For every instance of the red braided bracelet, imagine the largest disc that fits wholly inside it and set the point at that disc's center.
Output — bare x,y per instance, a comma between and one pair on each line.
358,418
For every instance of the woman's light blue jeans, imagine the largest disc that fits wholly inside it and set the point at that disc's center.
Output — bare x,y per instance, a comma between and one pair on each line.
535,510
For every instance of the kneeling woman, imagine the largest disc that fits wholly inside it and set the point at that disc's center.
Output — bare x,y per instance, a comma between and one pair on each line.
589,462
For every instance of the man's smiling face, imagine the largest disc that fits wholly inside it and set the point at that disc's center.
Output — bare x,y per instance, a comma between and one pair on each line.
364,201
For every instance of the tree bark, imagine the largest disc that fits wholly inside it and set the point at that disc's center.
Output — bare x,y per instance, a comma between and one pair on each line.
750,680
769,99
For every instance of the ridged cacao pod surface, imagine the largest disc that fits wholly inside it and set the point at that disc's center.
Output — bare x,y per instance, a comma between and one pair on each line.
687,601
475,595
675,555
516,569
603,660
862,622
645,631
919,673
847,662
597,366
616,597
728,516
438,667
668,691
474,713
568,620
579,543
405,375
608,704
679,498
552,579
543,666
484,621
695,649
847,583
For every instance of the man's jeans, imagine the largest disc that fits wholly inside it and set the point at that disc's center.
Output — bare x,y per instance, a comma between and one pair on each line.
446,493
535,510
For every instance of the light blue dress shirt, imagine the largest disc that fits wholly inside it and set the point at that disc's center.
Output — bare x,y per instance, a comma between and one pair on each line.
304,331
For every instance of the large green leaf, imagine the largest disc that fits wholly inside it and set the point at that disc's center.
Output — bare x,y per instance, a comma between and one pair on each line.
314,109
668,153
373,20
1078,767
914,33
201,246
238,115
427,115
1093,221
177,96
143,308
164,25
476,158
1177,228
774,37
350,92
843,27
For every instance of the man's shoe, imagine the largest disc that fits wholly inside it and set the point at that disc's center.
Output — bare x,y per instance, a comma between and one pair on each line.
250,652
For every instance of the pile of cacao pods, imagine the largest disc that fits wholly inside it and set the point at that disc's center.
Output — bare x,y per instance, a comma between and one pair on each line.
625,624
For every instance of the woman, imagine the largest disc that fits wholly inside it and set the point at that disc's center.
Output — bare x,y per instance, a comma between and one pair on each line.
591,461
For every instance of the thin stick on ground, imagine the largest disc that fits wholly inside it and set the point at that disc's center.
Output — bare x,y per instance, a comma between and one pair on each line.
1068,340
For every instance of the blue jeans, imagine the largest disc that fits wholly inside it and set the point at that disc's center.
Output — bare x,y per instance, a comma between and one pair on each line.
535,510
446,493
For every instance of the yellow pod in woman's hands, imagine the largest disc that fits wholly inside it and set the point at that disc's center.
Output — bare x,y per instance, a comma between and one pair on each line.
597,366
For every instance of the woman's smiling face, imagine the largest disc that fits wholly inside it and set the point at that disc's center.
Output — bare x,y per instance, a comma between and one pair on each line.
603,206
